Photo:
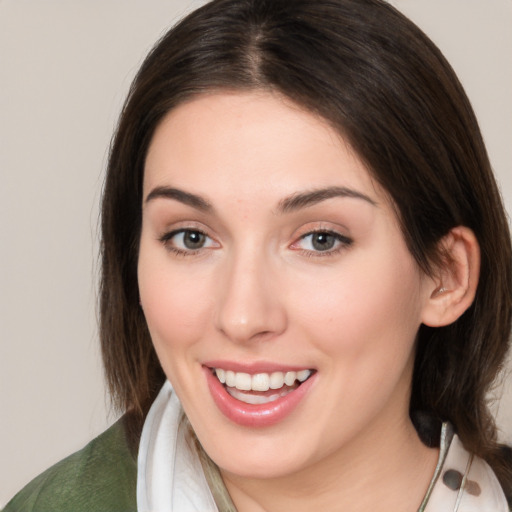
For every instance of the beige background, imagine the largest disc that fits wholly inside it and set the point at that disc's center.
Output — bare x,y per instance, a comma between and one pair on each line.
65,66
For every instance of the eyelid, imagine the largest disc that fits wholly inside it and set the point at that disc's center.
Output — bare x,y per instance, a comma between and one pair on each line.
168,236
173,232
170,229
343,242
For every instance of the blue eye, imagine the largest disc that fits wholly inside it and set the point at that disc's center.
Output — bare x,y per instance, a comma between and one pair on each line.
323,241
187,240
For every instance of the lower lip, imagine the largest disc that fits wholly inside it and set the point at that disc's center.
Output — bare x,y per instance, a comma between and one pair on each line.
255,415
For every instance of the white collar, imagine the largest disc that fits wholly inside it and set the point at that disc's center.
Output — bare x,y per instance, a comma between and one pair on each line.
170,477
463,482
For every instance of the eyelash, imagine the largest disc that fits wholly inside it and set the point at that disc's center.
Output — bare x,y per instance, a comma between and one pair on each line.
342,243
166,238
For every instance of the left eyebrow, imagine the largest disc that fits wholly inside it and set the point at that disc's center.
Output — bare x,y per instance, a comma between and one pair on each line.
309,198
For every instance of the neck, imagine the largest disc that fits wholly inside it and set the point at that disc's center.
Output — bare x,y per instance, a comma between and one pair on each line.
382,469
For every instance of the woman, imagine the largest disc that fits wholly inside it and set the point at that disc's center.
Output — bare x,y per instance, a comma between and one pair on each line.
302,234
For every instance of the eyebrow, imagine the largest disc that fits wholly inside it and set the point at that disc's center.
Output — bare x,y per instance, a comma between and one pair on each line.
187,198
289,204
309,198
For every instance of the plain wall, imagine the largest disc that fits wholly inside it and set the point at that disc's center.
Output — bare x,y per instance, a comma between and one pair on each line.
65,67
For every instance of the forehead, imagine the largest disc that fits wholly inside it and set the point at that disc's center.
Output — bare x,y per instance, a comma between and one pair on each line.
248,143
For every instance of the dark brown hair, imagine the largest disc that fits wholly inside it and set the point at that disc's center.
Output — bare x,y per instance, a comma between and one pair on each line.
388,90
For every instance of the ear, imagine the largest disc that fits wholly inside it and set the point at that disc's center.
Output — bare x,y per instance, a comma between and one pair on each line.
453,288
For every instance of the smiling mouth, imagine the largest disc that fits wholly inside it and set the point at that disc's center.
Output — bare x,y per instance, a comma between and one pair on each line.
260,388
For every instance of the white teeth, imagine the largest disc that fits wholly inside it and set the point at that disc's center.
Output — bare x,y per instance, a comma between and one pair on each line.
243,381
230,379
276,380
290,378
260,381
221,375
303,375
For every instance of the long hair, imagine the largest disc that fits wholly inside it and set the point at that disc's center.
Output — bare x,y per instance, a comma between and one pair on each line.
377,79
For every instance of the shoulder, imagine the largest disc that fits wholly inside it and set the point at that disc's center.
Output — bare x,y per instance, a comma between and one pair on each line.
100,477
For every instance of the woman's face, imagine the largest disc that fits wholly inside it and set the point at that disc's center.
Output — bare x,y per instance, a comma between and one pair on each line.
270,259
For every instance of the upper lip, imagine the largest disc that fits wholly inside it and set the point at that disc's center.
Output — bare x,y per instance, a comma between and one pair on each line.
255,367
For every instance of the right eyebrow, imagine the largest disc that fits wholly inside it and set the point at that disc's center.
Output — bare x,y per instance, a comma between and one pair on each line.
198,202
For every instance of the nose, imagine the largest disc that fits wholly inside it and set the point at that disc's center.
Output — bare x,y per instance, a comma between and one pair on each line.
250,306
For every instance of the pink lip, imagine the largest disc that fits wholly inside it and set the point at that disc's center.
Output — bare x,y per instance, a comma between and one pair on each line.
253,368
250,415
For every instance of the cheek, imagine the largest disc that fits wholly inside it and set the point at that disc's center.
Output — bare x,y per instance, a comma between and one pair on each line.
368,306
176,303
363,322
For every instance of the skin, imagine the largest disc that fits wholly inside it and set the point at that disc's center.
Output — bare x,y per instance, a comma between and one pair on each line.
258,290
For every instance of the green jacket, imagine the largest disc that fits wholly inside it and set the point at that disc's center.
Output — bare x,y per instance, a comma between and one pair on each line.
102,477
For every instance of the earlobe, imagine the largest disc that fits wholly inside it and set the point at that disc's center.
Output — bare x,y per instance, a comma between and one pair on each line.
453,288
